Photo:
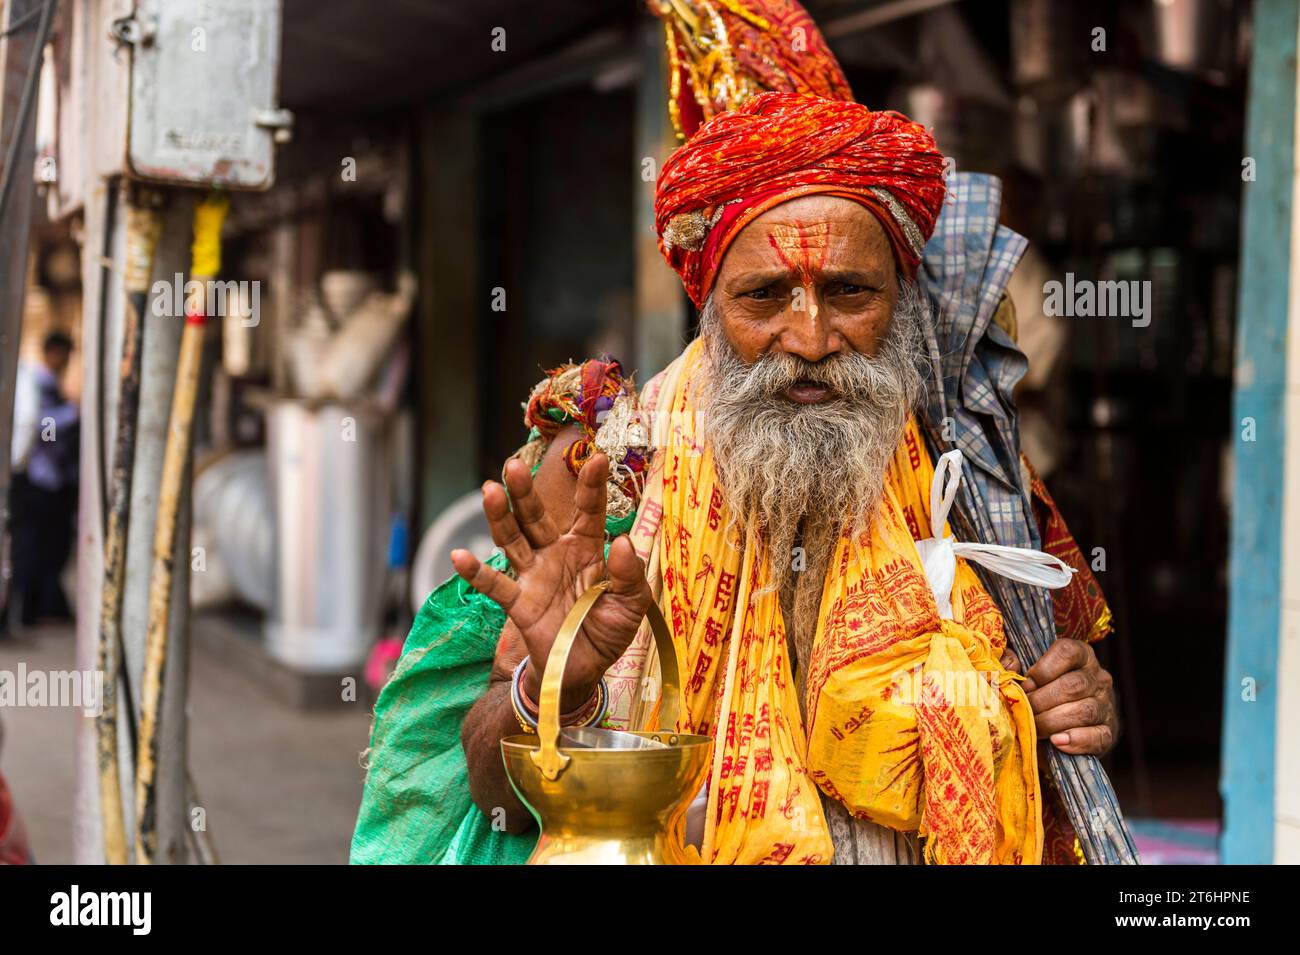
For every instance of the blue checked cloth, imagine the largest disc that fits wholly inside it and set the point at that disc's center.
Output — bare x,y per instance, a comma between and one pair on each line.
964,273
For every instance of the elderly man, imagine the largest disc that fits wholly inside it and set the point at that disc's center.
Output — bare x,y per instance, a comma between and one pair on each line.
778,517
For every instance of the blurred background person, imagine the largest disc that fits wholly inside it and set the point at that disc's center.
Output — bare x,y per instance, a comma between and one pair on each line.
43,493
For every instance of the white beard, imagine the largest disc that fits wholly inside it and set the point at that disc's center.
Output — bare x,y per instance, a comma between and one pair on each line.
810,471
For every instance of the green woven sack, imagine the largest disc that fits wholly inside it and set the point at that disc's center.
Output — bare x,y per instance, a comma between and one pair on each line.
416,806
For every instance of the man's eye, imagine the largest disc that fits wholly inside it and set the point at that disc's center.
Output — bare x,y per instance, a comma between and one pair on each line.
846,288
760,294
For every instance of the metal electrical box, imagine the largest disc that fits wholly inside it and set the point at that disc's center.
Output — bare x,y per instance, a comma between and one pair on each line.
204,78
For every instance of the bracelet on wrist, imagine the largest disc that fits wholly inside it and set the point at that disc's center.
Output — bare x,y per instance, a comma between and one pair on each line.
590,713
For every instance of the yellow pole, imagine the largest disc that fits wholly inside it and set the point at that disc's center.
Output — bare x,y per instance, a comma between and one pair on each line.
205,264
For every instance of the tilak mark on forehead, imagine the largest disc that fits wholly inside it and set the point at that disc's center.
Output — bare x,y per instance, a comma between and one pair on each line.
802,249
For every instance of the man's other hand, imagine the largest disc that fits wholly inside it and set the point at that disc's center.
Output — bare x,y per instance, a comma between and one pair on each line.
1073,699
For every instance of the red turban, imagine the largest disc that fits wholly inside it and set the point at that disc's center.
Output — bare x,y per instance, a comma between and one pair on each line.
778,146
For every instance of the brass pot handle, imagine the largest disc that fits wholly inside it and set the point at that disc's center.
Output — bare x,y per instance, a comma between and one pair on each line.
549,758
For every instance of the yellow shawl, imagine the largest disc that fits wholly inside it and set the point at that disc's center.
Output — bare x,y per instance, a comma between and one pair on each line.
912,722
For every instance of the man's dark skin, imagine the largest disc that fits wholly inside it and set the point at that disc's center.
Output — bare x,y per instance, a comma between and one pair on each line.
812,277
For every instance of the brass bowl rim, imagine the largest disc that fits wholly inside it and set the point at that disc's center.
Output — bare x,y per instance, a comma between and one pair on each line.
527,742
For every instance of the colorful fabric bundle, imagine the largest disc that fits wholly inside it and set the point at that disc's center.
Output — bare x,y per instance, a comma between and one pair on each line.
722,52
779,146
602,402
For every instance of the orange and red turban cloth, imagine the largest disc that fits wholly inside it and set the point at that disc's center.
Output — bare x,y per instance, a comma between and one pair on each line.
804,135
778,146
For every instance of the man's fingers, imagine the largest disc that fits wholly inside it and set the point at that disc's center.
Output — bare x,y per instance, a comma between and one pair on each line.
1069,716
505,529
491,583
1010,662
1061,657
626,571
526,504
1082,740
589,499
1072,686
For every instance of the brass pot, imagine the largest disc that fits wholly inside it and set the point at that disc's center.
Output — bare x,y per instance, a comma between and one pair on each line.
604,803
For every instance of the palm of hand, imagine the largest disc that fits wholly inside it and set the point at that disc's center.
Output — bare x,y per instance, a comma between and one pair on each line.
551,570
561,573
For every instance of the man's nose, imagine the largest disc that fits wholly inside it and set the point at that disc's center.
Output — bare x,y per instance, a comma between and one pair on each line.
806,333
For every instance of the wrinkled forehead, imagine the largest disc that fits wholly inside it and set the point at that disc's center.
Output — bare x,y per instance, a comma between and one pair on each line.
811,234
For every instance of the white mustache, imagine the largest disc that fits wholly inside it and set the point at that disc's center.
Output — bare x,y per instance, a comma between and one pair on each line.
853,375
893,373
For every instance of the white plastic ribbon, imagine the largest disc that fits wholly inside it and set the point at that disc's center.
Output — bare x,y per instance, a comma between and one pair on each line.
939,554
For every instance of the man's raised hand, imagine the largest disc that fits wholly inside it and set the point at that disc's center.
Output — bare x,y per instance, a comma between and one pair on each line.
552,569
